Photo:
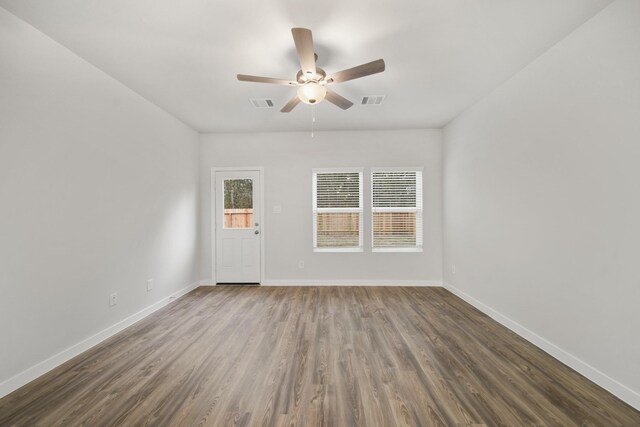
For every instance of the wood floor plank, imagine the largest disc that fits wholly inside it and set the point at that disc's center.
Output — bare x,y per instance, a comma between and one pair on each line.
315,356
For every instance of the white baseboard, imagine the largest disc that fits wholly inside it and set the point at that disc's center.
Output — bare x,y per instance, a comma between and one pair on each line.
618,389
56,360
352,283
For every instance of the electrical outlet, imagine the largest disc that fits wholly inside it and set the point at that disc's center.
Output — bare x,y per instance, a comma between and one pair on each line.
149,284
453,268
113,299
300,264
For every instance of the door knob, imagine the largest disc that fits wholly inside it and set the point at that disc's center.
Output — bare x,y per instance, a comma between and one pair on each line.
256,232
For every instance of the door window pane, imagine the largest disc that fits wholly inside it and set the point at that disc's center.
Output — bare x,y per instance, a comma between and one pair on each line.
238,203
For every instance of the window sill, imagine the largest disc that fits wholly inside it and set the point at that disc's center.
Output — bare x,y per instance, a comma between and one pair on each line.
397,250
338,250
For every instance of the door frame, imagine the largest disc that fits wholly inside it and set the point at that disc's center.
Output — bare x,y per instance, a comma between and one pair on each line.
260,170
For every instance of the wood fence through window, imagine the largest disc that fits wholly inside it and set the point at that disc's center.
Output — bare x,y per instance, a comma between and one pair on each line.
238,218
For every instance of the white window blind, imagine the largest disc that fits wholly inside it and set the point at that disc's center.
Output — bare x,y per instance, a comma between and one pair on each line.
396,208
337,210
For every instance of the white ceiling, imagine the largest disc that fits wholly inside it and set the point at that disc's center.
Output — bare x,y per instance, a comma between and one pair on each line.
441,55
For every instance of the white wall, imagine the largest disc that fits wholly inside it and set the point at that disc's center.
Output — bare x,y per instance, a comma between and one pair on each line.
541,205
98,193
288,159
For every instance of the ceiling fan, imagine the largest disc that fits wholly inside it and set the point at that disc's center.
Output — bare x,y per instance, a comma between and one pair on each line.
312,81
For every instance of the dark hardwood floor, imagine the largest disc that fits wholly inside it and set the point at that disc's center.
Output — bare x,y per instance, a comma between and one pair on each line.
315,356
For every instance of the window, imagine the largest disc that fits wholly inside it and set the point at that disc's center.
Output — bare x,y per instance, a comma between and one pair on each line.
396,209
337,210
238,203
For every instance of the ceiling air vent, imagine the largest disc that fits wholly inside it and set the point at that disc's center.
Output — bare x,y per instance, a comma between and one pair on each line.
372,100
261,102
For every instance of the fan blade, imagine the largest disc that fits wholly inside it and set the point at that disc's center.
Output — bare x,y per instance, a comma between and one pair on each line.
338,100
357,72
257,79
304,46
291,104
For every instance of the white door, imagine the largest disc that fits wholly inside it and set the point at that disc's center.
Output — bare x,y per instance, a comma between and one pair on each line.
237,226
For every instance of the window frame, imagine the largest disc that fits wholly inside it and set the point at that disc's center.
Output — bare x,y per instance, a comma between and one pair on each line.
316,210
418,210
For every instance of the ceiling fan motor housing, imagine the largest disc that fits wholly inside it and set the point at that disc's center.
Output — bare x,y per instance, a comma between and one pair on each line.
302,78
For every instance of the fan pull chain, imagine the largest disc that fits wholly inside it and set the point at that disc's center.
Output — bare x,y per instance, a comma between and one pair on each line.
313,119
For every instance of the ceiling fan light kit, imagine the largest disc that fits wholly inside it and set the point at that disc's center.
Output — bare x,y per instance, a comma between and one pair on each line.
312,81
311,92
